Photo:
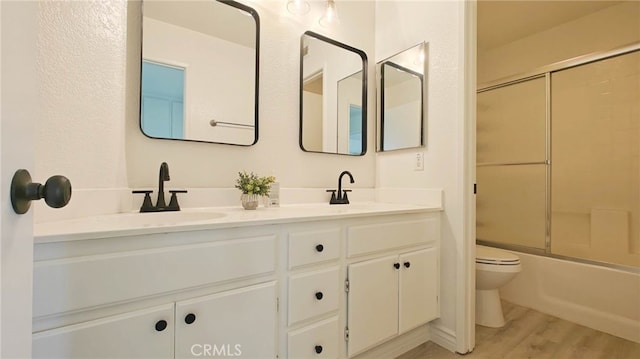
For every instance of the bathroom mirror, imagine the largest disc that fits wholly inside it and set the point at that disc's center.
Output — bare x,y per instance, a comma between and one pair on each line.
199,77
333,96
402,99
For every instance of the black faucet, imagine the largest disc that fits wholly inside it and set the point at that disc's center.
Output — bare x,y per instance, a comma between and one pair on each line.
161,205
163,176
341,198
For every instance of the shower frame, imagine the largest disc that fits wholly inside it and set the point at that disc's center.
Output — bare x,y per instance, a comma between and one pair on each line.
545,72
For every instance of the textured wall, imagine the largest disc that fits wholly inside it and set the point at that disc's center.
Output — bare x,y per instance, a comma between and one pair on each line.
399,26
81,72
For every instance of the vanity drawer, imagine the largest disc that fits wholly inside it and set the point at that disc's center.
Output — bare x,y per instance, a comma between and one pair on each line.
313,293
313,246
63,285
320,340
377,237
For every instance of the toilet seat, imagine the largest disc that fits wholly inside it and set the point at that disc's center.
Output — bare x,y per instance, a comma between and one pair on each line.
494,256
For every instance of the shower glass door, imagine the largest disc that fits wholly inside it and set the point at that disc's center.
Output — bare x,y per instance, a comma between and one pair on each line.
595,153
511,164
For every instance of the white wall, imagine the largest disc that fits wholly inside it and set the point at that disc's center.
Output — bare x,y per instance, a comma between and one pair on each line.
603,30
81,69
399,26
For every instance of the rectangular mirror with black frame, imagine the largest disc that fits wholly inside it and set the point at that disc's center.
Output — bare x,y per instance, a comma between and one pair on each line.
199,71
402,99
333,96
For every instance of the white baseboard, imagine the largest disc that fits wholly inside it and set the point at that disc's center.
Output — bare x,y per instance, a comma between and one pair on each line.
444,337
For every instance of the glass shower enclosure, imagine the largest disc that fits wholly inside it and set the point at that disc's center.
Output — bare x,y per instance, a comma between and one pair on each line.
558,161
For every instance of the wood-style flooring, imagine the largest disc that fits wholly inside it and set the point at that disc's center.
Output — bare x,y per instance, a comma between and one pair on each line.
531,334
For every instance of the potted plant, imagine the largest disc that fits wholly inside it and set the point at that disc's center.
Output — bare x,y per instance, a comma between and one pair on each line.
253,187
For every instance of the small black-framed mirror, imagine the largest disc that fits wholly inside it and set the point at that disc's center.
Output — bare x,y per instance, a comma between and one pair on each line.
402,99
333,96
199,71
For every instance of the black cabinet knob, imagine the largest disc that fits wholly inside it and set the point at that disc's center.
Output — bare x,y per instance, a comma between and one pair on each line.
319,248
407,264
190,318
161,325
318,349
319,295
396,265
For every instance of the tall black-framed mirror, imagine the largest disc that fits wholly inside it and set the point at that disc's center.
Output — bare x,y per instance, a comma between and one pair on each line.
402,99
199,71
333,96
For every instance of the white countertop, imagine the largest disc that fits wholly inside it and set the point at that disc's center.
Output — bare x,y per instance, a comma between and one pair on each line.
134,223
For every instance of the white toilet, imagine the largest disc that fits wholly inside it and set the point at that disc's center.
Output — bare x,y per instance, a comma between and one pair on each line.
494,268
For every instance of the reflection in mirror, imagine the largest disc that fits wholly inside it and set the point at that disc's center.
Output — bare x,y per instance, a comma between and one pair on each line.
402,99
199,78
333,96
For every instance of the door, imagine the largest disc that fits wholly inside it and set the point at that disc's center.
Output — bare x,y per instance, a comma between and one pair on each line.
145,333
419,276
19,106
372,302
235,323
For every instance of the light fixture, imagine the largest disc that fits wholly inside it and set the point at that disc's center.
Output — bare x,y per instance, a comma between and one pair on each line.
330,16
298,7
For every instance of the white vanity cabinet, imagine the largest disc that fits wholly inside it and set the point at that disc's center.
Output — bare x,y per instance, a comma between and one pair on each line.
99,298
230,323
397,288
333,286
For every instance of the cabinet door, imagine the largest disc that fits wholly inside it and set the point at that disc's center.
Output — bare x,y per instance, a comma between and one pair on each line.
235,323
418,288
372,305
142,334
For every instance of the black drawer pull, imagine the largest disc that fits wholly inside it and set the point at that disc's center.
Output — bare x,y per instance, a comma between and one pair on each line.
319,295
190,318
396,265
407,264
161,325
318,349
319,248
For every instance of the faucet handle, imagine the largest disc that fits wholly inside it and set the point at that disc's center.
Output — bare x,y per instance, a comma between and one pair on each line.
344,196
173,203
146,203
333,195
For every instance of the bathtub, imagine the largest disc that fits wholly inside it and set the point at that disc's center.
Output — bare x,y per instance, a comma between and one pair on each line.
601,298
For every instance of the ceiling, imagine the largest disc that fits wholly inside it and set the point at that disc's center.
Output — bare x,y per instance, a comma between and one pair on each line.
503,21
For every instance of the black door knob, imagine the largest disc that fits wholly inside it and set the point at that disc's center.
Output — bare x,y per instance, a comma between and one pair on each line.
396,265
190,318
319,248
161,325
56,191
407,264
318,349
319,295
